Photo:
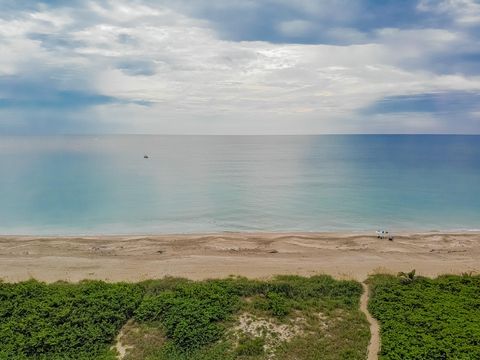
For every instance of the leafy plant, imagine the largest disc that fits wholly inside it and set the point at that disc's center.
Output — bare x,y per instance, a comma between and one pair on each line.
63,321
178,319
191,312
277,304
429,319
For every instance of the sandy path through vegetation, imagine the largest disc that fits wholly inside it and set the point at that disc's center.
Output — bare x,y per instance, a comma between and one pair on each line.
374,345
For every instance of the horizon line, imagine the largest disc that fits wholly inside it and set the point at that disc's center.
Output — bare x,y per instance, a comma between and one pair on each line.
179,134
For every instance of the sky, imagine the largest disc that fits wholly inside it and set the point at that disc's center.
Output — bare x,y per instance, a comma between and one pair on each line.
239,67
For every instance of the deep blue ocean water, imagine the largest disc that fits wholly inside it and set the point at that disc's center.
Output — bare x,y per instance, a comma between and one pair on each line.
103,185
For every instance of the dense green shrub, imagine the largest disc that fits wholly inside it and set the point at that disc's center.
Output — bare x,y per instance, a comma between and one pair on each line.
63,321
181,319
277,304
427,319
190,312
194,314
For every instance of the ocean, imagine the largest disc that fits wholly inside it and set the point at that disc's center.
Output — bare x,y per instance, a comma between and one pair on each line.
76,185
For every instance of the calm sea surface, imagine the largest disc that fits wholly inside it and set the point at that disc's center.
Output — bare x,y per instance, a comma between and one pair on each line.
85,185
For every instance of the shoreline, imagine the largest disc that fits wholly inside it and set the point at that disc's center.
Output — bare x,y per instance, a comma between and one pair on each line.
368,232
345,255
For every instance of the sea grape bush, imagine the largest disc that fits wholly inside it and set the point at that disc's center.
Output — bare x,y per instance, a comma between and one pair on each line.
427,318
63,321
277,304
80,321
191,312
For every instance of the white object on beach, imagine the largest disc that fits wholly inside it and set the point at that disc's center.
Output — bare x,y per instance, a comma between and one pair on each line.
381,233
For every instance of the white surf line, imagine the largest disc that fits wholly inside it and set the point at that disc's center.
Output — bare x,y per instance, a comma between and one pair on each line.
374,345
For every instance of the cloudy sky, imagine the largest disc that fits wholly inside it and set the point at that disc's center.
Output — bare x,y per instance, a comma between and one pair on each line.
239,67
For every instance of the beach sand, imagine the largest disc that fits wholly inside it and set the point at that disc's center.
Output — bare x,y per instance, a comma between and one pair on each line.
254,255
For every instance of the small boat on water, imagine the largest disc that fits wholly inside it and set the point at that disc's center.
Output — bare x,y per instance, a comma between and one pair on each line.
145,156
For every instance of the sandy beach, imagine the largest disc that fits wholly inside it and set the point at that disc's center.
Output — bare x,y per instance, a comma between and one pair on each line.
255,255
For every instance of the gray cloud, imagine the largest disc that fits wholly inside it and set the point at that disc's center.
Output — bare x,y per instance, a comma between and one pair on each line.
456,103
263,66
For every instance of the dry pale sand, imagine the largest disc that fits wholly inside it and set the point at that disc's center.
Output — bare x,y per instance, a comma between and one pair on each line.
133,258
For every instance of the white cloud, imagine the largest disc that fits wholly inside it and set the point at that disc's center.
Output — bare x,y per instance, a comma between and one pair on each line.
202,84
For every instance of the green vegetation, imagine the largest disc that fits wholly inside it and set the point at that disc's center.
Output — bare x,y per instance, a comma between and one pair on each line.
425,318
250,346
191,312
290,317
63,321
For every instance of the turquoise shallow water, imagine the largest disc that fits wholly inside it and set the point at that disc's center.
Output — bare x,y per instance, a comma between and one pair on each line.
103,185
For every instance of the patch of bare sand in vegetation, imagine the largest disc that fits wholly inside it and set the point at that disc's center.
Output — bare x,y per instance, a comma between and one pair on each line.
119,346
273,332
323,320
136,341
